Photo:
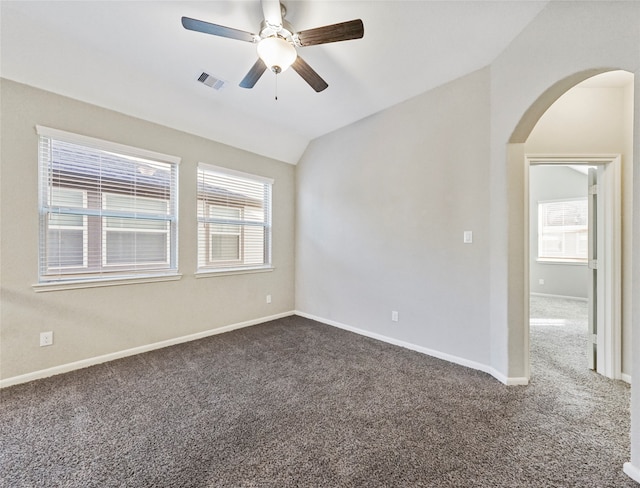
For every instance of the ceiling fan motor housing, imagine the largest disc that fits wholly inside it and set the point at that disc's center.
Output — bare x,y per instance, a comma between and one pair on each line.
285,31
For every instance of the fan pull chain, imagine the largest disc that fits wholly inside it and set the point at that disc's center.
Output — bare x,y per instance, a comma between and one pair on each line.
276,86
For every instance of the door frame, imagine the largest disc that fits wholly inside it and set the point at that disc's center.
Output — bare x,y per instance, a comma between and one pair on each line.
610,341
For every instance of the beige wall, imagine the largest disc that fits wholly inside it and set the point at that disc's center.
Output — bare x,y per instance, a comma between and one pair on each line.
554,52
353,268
382,207
584,120
566,43
592,121
96,321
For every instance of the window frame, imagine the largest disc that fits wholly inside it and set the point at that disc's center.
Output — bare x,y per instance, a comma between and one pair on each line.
206,266
95,270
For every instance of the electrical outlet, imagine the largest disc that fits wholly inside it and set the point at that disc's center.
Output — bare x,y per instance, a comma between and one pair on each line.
268,298
394,316
541,281
46,338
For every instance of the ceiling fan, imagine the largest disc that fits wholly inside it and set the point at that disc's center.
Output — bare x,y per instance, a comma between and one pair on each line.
277,42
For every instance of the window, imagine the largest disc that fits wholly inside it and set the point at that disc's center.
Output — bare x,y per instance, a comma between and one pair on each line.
66,234
225,241
563,230
234,220
106,210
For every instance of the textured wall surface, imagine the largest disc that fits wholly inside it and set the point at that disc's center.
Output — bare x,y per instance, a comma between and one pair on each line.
96,321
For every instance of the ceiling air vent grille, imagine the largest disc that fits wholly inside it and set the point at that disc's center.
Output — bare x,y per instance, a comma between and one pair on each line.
211,81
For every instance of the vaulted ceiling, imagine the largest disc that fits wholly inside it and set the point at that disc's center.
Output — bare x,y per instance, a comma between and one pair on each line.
136,58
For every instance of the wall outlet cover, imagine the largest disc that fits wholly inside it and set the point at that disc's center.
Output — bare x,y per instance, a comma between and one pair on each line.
46,338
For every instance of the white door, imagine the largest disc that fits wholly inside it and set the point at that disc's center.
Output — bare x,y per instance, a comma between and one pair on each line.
594,319
604,261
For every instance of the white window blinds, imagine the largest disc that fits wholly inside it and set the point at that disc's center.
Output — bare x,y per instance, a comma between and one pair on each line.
563,230
234,220
106,210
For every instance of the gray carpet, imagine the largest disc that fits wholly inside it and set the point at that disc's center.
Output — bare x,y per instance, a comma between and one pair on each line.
297,403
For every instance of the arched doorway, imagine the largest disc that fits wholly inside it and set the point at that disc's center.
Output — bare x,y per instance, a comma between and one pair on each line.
518,148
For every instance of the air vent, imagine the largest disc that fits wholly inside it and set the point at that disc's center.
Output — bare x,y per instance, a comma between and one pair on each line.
211,81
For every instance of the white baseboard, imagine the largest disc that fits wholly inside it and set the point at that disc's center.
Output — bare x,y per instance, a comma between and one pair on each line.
429,352
626,378
65,368
509,381
84,363
631,471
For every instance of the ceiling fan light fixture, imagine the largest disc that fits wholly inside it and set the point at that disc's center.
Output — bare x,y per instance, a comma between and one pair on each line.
277,53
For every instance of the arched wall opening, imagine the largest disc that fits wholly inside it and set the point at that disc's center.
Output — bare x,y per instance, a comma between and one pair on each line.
590,119
519,253
567,43
517,289
531,117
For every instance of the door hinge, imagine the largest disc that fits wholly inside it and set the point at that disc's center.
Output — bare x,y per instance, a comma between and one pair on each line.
593,190
594,339
593,264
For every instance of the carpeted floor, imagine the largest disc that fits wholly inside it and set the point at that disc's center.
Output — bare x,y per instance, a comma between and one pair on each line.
294,403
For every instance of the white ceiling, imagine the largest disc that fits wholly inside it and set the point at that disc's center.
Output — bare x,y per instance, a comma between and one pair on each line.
135,57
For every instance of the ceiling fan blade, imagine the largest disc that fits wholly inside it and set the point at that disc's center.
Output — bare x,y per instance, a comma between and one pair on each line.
309,75
254,74
272,13
218,30
344,31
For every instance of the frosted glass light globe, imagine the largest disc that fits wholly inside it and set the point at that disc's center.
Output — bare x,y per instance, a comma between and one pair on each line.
277,53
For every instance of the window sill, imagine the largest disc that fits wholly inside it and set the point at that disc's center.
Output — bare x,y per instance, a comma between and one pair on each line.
559,261
232,271
96,283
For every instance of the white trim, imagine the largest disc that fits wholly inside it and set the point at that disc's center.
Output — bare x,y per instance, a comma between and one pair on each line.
631,471
203,273
233,172
626,378
65,368
99,282
609,341
84,363
506,380
96,143
413,347
512,381
572,159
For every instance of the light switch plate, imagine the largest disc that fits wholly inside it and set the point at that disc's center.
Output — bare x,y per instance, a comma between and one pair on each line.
468,237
